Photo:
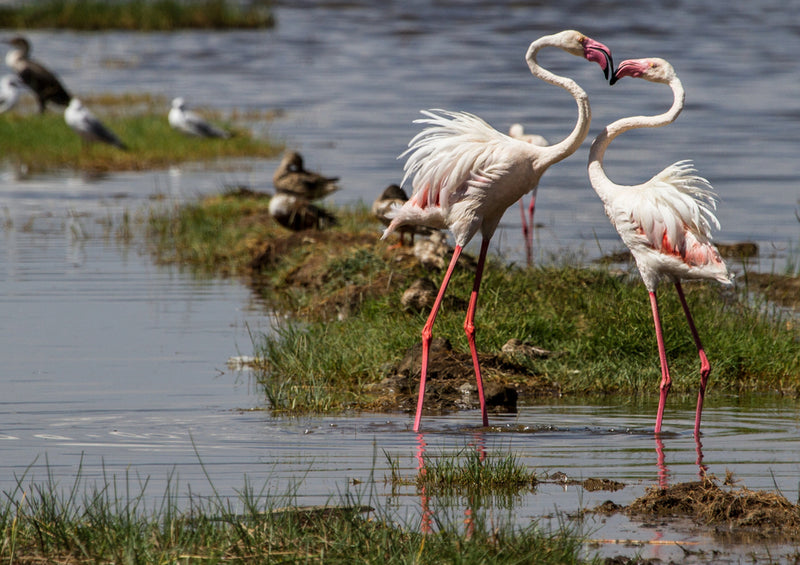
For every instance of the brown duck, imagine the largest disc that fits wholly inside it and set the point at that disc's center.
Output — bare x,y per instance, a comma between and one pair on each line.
291,178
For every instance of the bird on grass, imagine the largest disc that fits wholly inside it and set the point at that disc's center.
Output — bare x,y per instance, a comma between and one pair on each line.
39,79
191,123
297,213
9,92
517,131
292,178
88,126
466,174
665,222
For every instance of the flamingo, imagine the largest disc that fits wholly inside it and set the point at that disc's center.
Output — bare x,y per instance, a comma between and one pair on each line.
517,131
39,79
466,174
665,222
191,123
88,126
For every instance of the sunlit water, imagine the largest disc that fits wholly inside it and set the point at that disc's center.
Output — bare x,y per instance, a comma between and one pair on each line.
116,368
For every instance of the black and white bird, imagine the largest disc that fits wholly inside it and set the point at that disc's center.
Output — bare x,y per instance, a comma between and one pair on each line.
88,126
9,92
39,79
191,123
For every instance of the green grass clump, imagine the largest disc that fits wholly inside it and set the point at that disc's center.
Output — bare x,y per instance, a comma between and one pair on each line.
137,15
111,522
34,142
347,327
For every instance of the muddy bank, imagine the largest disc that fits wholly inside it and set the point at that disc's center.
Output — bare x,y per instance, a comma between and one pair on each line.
735,515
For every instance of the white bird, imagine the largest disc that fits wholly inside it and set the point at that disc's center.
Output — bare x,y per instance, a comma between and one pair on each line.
297,213
191,123
665,222
466,174
517,131
9,92
86,124
40,80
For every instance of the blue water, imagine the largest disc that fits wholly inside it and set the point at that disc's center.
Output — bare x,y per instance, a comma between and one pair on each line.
114,366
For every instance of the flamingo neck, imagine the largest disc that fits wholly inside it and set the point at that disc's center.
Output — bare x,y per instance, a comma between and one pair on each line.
597,175
570,144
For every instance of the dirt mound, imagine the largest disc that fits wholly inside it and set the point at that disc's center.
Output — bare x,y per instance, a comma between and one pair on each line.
451,380
731,512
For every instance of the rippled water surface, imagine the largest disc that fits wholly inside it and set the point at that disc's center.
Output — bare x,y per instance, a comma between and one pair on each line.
114,367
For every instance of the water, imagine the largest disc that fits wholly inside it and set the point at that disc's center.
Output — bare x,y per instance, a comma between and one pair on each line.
117,367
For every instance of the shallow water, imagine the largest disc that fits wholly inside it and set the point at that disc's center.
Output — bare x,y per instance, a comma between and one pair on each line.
114,367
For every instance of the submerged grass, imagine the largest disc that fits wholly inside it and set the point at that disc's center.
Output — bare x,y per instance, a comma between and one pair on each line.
33,142
137,15
113,522
343,287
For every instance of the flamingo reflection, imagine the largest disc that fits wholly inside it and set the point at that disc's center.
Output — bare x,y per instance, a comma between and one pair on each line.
663,471
479,444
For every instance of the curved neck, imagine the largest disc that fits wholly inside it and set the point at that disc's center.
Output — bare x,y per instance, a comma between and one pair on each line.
570,144
597,175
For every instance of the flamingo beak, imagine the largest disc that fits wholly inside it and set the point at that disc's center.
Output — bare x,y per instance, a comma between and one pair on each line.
600,54
628,68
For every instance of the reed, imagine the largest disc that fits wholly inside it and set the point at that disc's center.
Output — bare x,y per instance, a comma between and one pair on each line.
114,520
137,15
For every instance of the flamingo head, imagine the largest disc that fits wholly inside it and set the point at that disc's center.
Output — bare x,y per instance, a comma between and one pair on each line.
652,69
597,52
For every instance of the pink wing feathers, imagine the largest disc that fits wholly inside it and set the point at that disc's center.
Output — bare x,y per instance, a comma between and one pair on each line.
458,151
672,214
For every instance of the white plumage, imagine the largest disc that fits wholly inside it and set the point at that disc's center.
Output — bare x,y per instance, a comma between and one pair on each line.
191,123
88,126
9,92
465,174
666,222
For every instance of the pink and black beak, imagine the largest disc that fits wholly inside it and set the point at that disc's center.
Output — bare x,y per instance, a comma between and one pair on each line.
600,54
627,68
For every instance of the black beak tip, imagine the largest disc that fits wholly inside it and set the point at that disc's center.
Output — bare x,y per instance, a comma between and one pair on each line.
613,80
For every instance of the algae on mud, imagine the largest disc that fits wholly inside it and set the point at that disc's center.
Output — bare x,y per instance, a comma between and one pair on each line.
346,333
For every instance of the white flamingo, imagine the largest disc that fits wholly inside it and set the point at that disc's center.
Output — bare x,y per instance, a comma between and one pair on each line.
665,222
517,131
466,174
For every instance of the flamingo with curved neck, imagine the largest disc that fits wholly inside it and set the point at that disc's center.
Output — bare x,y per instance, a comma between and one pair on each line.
466,174
665,222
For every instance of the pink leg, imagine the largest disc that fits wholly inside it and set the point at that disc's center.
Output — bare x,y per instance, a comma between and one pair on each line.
469,327
525,232
529,243
705,366
427,334
666,381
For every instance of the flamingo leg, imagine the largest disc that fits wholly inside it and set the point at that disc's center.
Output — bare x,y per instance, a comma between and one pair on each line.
427,334
529,242
705,366
666,381
525,232
469,327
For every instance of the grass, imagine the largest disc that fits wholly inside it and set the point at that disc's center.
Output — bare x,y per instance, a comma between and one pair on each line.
346,330
33,142
112,522
137,15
